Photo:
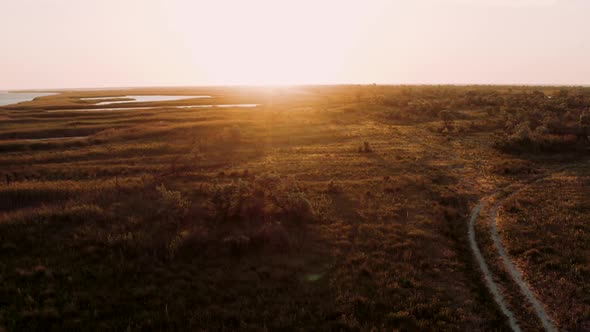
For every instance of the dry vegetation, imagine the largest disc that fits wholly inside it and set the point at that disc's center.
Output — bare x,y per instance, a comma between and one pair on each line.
546,229
324,208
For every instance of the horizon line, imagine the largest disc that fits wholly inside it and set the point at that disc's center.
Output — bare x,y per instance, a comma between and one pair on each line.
101,88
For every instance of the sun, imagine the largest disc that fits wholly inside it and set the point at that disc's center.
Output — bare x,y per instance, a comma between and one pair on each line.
268,42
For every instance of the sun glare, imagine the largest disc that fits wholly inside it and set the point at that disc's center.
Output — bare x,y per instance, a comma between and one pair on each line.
269,42
205,42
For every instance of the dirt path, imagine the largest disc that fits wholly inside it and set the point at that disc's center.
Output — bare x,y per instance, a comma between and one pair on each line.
509,266
516,275
492,286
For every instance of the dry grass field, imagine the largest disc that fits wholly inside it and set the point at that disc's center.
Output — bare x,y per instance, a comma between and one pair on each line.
322,208
545,227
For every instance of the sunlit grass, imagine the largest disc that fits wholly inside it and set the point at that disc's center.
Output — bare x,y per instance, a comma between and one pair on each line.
342,208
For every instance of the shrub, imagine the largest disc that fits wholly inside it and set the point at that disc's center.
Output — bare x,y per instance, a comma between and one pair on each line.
232,134
84,212
171,204
520,139
293,202
365,148
237,244
69,214
334,187
235,133
447,118
523,139
297,207
177,242
402,319
268,180
522,133
273,236
490,110
195,154
550,121
221,198
232,200
191,241
268,196
513,167
542,130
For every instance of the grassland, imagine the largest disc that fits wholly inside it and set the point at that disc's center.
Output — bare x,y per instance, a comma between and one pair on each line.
324,208
546,230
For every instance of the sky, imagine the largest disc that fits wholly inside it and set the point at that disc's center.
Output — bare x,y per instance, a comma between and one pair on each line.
123,43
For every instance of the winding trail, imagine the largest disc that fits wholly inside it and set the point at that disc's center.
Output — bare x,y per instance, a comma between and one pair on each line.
515,275
492,286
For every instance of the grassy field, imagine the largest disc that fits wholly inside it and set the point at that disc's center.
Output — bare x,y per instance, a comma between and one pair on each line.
323,208
546,230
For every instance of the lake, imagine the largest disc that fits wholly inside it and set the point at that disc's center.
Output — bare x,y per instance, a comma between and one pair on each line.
155,107
139,99
9,98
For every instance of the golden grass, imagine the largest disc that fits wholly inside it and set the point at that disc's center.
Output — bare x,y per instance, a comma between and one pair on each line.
545,229
377,239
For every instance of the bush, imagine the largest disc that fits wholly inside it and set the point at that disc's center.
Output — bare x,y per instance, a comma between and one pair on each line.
237,244
234,201
522,133
365,148
296,206
513,167
171,204
542,130
268,180
70,214
293,203
273,236
266,197
334,187
232,134
447,118
526,141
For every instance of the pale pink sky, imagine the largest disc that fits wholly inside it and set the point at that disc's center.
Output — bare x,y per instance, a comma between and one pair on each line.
113,43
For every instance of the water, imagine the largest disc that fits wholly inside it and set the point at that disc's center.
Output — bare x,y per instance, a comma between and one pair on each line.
153,107
53,138
44,139
220,105
140,99
9,98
